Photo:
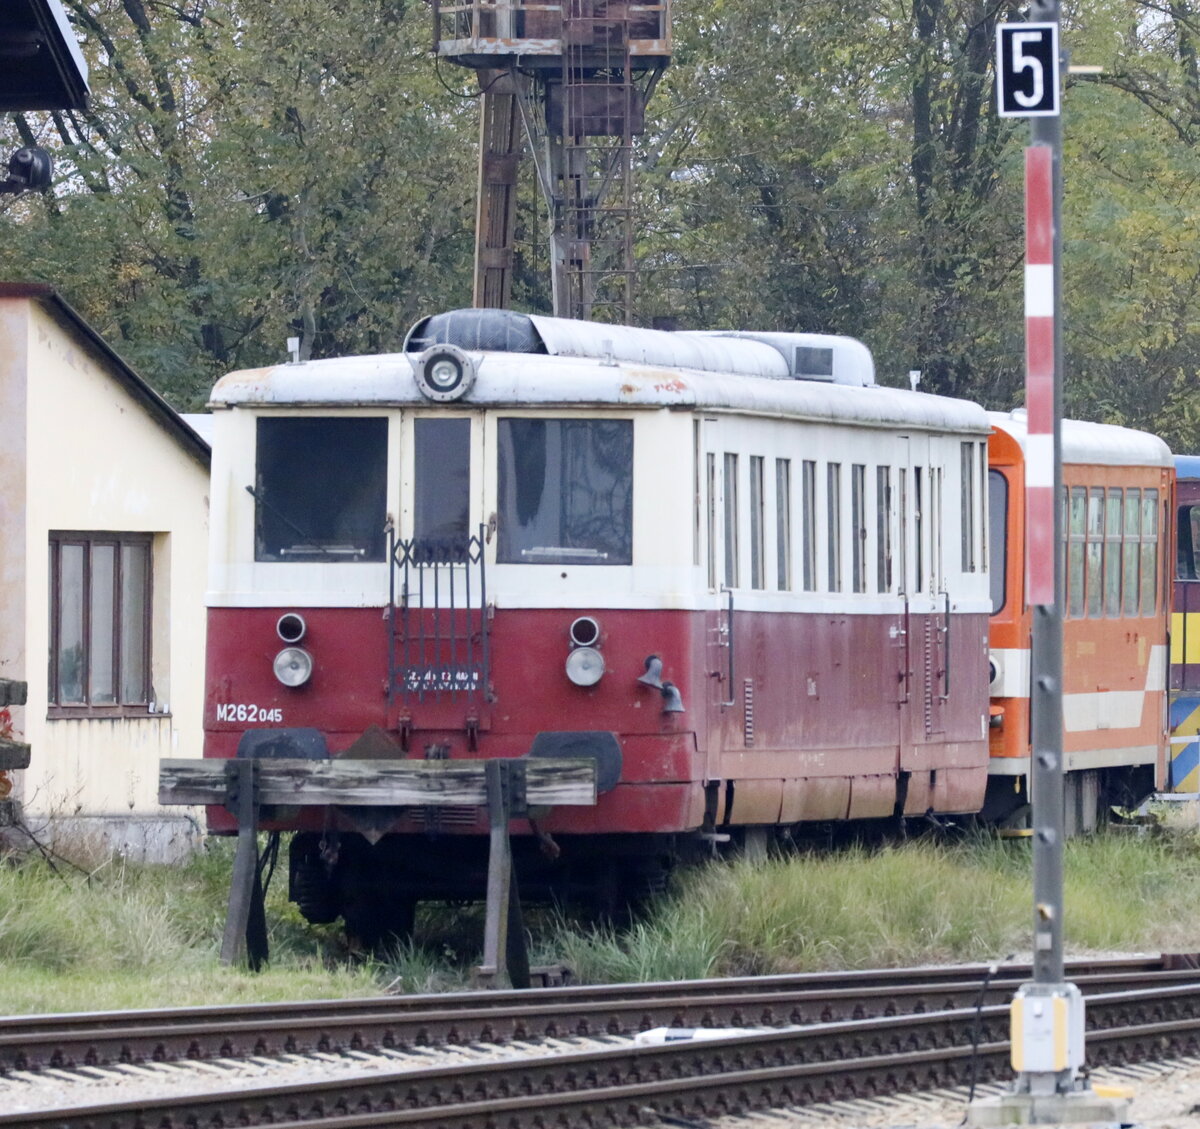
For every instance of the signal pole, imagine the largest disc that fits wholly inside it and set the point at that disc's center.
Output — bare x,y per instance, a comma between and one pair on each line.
1047,1028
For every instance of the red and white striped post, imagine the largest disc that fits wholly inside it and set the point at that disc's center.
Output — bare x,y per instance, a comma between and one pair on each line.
1040,375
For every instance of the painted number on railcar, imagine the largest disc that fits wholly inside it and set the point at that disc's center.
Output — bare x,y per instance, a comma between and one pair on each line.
229,711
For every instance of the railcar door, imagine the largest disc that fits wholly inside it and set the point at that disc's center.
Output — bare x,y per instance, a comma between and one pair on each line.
719,485
439,657
925,675
1185,643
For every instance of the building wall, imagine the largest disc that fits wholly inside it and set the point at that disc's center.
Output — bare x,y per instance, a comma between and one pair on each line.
96,461
13,353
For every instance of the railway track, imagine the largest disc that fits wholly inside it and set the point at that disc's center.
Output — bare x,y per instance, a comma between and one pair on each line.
330,1026
631,1084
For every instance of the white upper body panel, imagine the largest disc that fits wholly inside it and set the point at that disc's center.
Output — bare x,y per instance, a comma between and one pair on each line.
516,380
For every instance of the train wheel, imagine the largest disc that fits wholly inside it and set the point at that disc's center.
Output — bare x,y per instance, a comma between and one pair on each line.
380,927
311,883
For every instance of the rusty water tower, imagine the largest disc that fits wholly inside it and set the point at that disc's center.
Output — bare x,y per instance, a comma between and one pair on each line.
573,77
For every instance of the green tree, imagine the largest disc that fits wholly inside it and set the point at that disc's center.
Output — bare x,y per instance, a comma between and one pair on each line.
246,172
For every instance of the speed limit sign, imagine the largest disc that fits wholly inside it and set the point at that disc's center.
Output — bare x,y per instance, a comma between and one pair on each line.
1027,70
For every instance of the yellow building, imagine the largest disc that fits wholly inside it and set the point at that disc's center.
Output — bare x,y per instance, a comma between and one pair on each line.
103,554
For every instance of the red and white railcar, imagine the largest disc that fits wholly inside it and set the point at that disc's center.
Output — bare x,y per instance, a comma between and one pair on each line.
745,580
1116,605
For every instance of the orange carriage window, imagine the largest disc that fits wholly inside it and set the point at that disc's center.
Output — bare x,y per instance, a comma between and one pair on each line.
1149,551
1131,552
1076,545
1095,553
1112,554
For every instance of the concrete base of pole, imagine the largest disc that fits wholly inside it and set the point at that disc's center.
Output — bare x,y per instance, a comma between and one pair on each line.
1080,1107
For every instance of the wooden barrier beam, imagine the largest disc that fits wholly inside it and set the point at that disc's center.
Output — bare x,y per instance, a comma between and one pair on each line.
13,754
400,783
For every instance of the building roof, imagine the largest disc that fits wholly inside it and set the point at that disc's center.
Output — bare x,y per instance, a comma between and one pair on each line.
155,406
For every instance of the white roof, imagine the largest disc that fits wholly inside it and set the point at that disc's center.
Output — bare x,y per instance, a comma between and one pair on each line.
1097,444
523,379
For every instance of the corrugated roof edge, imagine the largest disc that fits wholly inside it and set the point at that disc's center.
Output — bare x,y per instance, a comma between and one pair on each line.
156,407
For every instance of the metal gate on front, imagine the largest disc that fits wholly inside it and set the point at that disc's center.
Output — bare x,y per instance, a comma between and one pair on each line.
438,642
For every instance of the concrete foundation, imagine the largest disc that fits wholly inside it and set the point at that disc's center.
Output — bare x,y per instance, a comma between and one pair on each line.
1080,1107
142,839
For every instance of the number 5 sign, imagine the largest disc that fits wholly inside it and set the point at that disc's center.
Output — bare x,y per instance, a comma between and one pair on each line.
1027,70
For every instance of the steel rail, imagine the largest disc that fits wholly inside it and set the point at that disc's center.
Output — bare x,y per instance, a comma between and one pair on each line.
100,1038
619,1085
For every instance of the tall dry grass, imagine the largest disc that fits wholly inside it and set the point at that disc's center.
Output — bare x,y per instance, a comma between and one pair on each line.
120,935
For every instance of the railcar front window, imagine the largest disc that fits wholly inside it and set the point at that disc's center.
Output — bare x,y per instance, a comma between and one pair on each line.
321,489
565,491
442,484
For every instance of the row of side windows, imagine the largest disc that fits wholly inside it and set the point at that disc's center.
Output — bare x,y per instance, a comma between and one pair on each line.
1112,558
874,497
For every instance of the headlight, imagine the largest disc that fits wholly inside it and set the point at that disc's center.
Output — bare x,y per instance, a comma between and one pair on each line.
585,666
293,666
444,373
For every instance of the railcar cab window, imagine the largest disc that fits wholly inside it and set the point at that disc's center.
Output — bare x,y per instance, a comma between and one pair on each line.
442,485
321,489
565,491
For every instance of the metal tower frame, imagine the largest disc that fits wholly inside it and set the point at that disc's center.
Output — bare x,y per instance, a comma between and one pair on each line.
573,77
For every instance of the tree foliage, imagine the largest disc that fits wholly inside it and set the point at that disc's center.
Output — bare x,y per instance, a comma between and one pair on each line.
249,171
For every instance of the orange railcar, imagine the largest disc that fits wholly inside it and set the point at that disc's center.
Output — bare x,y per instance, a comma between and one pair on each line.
1117,489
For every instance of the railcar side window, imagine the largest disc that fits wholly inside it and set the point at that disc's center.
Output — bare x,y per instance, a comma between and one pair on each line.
711,486
984,522
1149,551
1188,542
731,521
783,523
998,518
883,529
833,499
1112,554
1131,553
858,525
1095,552
758,563
967,517
321,489
565,491
1077,543
809,520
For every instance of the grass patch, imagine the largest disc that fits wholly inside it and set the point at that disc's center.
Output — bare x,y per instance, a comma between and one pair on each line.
904,905
124,936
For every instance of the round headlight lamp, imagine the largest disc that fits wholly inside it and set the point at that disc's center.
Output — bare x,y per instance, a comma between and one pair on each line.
293,666
585,666
444,373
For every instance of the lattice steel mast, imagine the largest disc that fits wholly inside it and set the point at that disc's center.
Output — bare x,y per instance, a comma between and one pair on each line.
573,77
